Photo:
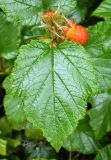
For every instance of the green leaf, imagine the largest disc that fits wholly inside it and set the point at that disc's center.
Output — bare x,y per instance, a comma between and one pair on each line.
104,154
82,10
82,139
12,142
22,10
100,115
58,81
4,126
33,32
104,10
12,157
40,149
64,6
98,48
3,144
9,37
33,132
79,12
14,111
43,159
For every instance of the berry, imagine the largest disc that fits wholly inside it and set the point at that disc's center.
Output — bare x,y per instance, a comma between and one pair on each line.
70,33
77,34
48,14
65,29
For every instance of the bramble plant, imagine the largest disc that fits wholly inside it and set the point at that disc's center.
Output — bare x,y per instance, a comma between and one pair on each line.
55,80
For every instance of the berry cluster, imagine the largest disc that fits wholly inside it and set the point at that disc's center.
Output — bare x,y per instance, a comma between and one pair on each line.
70,31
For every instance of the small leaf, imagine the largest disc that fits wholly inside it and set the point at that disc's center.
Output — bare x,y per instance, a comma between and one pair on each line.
100,114
4,126
9,37
12,142
33,132
104,10
38,150
3,144
104,154
98,48
58,81
82,139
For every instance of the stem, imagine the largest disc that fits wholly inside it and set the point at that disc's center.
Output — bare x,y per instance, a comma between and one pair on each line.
3,73
56,34
76,156
1,64
57,25
70,155
30,37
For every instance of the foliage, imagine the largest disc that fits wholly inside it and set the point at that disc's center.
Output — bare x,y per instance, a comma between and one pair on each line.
55,94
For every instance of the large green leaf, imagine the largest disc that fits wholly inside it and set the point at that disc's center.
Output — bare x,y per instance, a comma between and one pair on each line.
64,6
26,11
3,144
104,154
100,115
23,10
99,48
79,12
9,37
49,87
82,10
82,139
104,10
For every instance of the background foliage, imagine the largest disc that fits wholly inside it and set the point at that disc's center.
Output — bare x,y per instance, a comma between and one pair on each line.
54,102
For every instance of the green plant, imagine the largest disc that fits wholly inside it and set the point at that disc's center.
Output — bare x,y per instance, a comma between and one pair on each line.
57,79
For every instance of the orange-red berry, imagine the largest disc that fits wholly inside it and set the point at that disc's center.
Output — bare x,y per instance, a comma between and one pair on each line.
77,34
48,14
70,33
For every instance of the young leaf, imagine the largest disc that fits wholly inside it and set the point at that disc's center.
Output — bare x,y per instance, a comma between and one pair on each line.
104,154
104,10
82,139
99,48
50,87
9,37
3,144
100,115
23,10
